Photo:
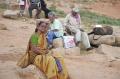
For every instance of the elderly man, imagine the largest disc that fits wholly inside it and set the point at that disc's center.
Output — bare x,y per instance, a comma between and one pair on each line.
73,23
55,29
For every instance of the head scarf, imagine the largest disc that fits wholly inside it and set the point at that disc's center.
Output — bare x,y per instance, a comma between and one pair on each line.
75,9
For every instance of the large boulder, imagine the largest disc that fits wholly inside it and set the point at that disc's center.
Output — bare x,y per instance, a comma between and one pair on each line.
12,14
9,70
106,39
109,50
58,42
74,51
116,33
117,39
31,72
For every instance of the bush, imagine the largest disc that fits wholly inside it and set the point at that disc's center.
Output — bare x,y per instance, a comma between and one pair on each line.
94,18
2,5
58,13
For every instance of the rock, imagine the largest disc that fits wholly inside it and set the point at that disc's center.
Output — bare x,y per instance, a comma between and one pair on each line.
110,58
106,39
117,39
116,29
59,50
23,27
11,46
116,33
109,50
58,42
31,72
2,26
12,14
74,51
42,14
111,65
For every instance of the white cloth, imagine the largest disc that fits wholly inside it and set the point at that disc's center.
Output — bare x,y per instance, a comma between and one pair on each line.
21,2
81,36
75,9
68,41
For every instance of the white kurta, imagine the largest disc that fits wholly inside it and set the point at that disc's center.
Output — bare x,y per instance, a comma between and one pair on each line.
70,21
74,27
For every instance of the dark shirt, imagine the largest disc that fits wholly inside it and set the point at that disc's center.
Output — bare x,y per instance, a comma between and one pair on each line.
42,3
34,1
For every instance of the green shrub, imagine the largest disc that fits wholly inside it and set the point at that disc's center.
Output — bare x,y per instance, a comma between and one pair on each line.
89,17
2,5
52,7
58,13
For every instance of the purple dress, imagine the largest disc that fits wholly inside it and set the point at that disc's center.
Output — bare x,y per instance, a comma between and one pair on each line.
23,6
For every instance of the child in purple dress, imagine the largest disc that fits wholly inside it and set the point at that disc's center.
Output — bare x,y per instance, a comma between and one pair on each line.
22,4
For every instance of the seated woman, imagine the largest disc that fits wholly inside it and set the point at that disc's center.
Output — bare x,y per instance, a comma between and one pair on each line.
38,55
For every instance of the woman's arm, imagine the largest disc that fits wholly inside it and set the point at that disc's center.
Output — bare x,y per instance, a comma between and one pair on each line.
34,42
37,51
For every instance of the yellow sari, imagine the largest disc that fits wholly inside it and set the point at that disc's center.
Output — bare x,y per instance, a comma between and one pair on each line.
46,62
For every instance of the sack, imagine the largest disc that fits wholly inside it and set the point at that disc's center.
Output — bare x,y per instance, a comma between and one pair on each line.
34,1
107,30
58,65
68,41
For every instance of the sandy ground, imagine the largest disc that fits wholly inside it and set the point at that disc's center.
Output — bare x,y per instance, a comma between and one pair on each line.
13,43
107,8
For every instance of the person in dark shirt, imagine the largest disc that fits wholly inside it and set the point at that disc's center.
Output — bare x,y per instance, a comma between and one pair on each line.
34,4
44,8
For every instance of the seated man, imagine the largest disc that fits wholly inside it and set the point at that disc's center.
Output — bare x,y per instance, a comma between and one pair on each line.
34,4
73,23
43,7
55,29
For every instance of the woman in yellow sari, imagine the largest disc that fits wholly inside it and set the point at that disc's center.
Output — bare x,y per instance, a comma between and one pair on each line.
38,55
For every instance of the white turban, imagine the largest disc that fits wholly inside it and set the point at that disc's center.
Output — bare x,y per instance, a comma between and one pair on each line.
75,9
